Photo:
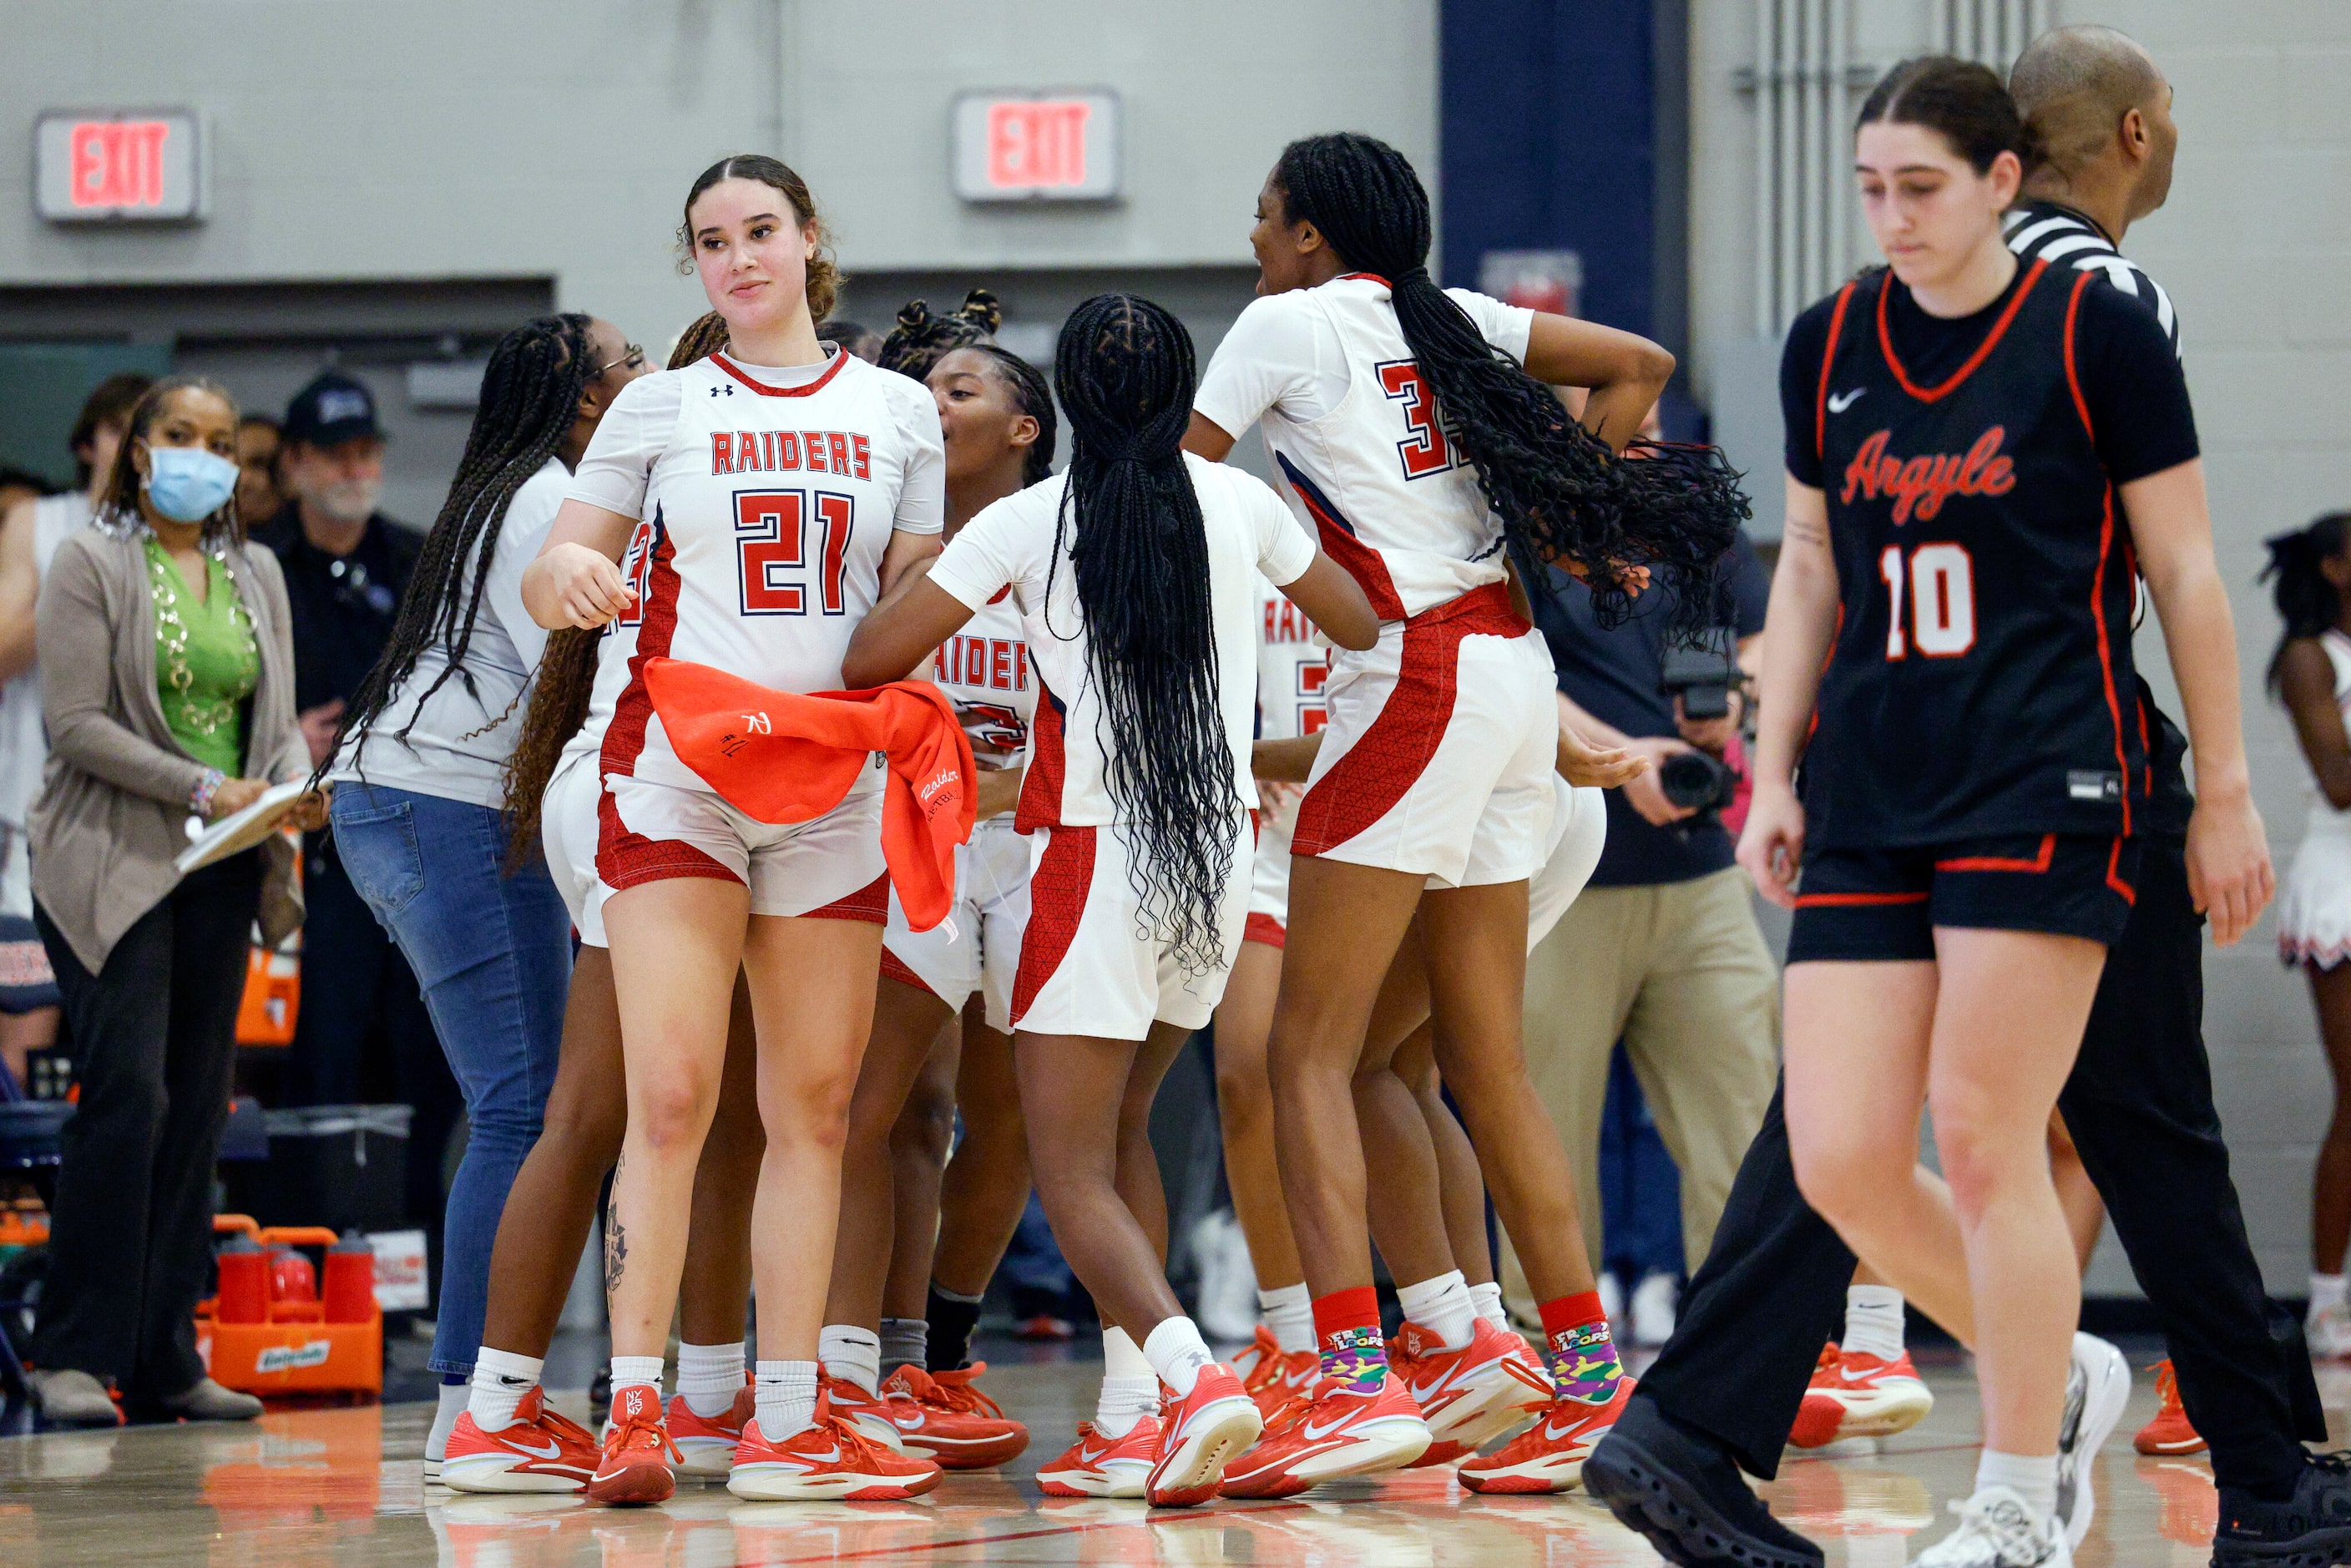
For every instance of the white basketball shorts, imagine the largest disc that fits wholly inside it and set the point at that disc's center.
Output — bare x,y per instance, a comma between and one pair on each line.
978,946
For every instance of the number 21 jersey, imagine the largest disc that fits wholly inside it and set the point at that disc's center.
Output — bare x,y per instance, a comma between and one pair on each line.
771,495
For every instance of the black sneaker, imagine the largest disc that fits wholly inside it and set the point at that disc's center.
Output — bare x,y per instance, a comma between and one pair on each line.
2310,1529
1681,1489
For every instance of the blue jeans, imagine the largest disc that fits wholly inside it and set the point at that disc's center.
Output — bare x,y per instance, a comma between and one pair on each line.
493,954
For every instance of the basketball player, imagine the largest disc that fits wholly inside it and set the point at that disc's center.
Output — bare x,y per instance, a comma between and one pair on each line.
1420,443
1133,574
784,488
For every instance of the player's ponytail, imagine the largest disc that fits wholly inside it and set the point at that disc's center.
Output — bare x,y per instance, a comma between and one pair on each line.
1561,494
1125,371
2307,600
921,338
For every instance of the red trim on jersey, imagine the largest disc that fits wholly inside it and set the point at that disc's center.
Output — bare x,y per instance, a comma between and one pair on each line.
1843,900
870,903
1828,358
1039,805
2105,549
1057,903
840,357
1339,541
2036,865
1372,276
1265,931
626,859
2114,874
1388,758
894,968
1991,340
624,736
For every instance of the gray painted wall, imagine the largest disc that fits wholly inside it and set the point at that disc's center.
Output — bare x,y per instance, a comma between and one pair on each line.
2255,249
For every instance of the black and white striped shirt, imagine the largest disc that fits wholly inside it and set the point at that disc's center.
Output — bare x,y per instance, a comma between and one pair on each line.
2055,233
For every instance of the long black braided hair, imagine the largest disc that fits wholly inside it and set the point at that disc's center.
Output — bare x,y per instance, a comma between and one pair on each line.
2306,601
1032,397
530,398
1124,369
1561,494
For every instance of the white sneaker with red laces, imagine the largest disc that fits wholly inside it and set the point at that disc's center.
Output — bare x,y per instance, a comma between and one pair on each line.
833,1459
540,1452
1097,1465
1199,1434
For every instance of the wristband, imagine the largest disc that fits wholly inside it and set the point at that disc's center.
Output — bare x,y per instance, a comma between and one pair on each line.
200,799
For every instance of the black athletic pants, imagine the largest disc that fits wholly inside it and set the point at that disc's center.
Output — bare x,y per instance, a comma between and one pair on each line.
154,1048
2140,1106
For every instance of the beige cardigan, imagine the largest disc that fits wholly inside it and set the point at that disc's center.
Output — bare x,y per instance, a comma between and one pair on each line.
113,807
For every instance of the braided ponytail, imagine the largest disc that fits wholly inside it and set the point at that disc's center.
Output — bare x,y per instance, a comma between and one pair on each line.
1561,494
530,397
1139,550
2306,601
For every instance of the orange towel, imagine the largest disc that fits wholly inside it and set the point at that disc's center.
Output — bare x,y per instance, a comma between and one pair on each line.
781,756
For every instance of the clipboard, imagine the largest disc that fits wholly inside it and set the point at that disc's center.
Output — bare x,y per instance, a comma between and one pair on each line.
241,830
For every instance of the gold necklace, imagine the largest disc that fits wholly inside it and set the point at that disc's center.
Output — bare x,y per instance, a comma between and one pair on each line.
202,714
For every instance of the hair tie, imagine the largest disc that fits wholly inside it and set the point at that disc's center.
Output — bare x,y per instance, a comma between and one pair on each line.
1411,275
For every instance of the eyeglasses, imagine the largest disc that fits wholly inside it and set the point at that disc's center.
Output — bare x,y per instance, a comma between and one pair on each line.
635,359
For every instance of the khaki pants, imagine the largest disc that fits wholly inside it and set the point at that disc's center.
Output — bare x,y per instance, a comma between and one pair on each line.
1680,973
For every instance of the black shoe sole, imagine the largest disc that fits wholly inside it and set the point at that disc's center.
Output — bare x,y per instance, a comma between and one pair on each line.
1685,1529
2319,1549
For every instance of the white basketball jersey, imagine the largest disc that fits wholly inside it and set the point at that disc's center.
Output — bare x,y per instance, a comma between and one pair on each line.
23,738
1376,479
617,646
983,670
770,511
1290,668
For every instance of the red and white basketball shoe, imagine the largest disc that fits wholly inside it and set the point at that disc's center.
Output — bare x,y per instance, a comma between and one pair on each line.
705,1444
1101,1466
1466,1395
832,1458
638,1463
1199,1435
1548,1456
1857,1395
1275,1376
1343,1430
943,1416
541,1452
869,1413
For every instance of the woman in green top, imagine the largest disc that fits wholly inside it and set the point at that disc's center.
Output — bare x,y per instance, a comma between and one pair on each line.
169,695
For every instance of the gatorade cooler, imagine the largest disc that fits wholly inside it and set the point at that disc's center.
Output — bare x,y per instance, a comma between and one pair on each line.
271,1329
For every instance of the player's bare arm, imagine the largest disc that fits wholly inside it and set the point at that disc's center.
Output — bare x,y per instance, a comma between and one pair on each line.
575,580
1624,372
901,632
1334,602
1797,630
20,585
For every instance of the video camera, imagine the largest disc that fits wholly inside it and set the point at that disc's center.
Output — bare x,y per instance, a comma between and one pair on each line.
1702,673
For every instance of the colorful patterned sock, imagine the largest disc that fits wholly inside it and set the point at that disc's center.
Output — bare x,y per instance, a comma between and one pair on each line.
1583,1354
1347,1323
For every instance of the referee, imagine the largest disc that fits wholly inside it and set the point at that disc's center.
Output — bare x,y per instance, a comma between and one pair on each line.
1725,1392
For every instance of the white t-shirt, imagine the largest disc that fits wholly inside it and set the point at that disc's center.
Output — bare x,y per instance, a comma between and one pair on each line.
1326,374
773,494
459,742
23,735
1249,532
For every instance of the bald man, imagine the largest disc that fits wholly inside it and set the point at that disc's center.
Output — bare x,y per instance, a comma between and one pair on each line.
1725,1392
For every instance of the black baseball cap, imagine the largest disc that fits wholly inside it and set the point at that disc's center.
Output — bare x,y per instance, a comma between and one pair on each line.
331,410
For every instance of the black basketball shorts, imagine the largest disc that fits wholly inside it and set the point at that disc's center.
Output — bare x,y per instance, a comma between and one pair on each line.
1883,905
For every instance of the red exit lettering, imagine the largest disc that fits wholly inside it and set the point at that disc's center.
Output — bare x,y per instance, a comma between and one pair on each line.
1036,144
118,163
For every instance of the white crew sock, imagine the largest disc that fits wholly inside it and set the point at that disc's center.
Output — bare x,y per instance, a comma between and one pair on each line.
500,1380
906,1342
1178,1353
2325,1291
853,1354
1130,1389
637,1371
453,1400
1873,1321
2032,1477
710,1377
1488,1299
786,1391
1443,1307
1290,1313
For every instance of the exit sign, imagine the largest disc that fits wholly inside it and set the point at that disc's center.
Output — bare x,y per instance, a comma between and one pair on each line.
1031,147
118,164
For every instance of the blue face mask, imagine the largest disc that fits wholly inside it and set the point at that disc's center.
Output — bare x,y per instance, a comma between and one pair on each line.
188,484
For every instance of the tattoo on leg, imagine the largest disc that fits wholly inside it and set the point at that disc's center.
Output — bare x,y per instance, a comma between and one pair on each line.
616,1246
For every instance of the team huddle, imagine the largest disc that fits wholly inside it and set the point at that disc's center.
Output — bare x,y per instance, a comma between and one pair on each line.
885,770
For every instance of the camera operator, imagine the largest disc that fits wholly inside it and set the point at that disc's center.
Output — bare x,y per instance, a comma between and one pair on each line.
1662,949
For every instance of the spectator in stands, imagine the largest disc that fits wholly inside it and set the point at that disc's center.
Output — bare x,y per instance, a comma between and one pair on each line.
169,677
258,440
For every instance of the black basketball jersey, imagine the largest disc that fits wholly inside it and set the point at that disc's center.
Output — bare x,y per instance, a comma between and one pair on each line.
1980,681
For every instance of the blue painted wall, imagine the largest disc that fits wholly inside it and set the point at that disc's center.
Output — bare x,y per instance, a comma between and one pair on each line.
1551,136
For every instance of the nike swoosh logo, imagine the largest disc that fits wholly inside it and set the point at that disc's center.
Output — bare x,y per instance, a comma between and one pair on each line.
1840,402
1314,1432
1557,1434
552,1451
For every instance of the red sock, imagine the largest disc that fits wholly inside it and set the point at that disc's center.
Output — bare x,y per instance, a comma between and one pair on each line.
1565,1314
1347,1323
1357,1307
